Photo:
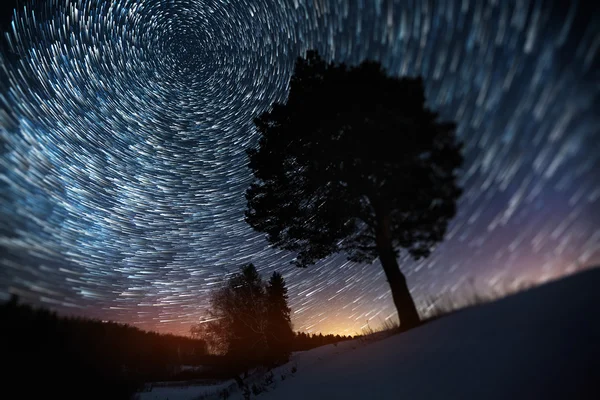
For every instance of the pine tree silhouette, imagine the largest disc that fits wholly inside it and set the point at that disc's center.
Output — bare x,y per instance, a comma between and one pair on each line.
279,328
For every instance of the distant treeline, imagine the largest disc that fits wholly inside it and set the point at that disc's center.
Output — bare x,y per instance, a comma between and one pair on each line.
47,355
307,341
82,358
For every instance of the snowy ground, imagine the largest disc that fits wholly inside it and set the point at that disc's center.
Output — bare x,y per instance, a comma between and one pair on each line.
184,392
540,344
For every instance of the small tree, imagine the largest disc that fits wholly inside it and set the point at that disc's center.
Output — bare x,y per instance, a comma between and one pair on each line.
214,332
279,325
354,162
237,324
248,322
246,298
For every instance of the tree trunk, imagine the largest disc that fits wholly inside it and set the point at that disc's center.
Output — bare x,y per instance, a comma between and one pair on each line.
407,312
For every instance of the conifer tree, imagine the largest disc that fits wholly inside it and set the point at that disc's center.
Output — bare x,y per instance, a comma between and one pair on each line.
279,326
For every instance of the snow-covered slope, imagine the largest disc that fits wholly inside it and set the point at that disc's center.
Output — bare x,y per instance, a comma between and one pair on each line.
540,344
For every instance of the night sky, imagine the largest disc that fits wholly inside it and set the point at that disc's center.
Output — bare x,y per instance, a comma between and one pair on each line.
124,125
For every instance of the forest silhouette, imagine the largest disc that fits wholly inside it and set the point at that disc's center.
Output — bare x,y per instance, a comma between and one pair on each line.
48,355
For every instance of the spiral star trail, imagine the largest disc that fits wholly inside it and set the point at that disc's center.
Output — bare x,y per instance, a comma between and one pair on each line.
124,126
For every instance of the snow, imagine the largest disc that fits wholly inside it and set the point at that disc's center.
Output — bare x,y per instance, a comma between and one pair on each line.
184,392
540,344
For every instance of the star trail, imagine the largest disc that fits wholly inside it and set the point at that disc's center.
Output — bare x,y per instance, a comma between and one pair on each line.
124,126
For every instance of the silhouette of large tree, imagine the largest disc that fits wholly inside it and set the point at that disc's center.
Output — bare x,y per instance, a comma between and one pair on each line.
354,162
